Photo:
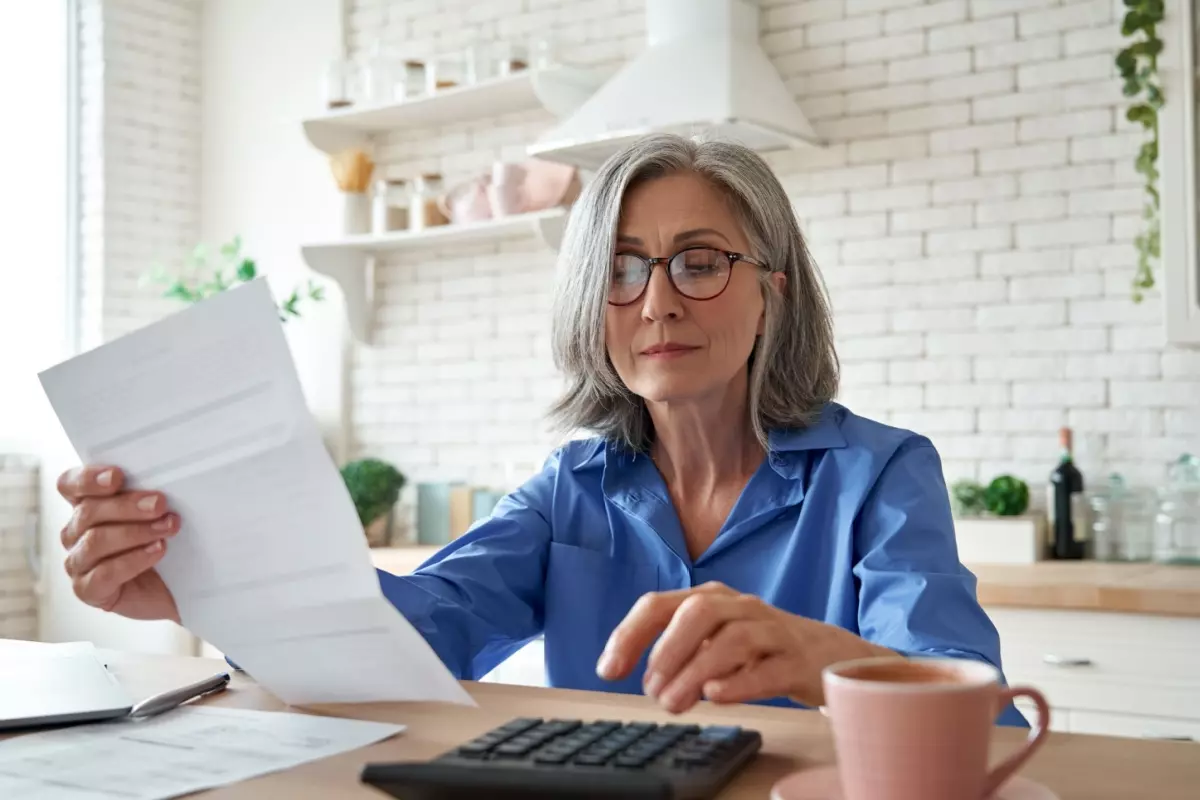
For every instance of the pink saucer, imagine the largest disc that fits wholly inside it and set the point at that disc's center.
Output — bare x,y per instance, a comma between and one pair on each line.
821,783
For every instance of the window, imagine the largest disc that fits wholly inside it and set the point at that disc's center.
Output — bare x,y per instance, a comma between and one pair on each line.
34,214
1179,164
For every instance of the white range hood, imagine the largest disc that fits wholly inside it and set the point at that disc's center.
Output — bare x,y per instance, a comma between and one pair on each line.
702,72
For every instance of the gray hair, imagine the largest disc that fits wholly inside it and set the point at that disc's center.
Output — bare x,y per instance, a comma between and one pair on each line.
793,367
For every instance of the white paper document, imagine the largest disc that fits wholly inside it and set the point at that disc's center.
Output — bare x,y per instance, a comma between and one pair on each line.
271,564
181,751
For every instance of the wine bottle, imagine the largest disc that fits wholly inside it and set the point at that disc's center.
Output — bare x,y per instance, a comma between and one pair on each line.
1065,505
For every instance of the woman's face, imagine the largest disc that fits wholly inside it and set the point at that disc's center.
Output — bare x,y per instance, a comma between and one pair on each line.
707,342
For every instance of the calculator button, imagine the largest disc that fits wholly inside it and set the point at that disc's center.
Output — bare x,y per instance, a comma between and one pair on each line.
720,733
513,749
519,725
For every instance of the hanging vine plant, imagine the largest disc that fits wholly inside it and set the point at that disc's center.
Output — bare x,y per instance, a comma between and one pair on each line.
1138,64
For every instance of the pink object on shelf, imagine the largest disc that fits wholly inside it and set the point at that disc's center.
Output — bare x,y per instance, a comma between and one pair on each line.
512,188
507,192
466,202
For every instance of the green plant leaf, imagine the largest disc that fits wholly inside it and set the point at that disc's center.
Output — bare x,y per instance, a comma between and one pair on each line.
1126,62
231,249
1140,113
199,256
247,270
1131,23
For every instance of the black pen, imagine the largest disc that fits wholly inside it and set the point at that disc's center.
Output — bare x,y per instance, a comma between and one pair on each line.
177,697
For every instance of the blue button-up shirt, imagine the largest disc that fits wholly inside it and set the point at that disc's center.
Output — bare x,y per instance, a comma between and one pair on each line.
847,521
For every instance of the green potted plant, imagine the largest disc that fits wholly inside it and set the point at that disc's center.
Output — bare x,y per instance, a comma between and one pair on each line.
374,486
992,523
198,280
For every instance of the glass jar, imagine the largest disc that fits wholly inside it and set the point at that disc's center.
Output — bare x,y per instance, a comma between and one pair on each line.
338,85
378,78
410,83
1104,516
1177,525
511,58
389,206
1121,519
423,209
445,72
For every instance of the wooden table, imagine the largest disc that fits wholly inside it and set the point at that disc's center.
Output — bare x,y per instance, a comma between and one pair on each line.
1073,585
1076,767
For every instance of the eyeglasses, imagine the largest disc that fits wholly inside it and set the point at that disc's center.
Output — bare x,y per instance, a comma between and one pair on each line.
698,273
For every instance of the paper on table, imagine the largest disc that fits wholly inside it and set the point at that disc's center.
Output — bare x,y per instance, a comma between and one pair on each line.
270,565
181,751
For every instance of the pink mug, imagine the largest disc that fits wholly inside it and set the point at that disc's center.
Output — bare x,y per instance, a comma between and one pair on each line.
919,729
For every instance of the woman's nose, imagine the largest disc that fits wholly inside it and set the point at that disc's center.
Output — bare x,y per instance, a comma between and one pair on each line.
661,301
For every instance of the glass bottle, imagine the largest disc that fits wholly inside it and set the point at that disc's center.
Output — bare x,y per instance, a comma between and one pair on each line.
1065,505
1177,525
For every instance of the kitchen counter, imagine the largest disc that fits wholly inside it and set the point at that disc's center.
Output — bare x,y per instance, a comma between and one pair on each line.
1092,586
1081,585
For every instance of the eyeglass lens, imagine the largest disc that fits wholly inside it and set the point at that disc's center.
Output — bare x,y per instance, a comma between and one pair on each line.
698,273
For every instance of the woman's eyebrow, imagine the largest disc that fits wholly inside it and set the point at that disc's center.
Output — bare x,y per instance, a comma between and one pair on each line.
698,232
679,237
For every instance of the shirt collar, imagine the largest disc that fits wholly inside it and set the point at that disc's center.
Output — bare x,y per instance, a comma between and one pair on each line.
786,446
823,434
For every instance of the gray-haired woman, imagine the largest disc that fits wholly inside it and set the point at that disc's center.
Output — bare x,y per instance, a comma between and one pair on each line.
729,532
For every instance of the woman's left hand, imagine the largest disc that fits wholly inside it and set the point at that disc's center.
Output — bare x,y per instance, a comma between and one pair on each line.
718,644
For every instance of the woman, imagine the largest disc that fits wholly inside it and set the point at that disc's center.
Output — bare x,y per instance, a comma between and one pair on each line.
730,532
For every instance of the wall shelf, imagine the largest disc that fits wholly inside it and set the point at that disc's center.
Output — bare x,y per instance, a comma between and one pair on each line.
350,260
559,89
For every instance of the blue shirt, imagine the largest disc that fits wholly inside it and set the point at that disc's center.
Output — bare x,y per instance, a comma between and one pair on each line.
847,521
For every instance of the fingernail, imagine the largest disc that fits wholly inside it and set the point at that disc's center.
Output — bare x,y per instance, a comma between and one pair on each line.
105,478
154,547
148,503
603,664
654,684
163,524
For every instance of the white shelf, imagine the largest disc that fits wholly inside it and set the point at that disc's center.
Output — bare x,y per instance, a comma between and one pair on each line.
559,89
351,260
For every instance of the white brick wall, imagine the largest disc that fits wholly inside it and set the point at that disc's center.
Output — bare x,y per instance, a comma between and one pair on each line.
18,509
140,151
973,215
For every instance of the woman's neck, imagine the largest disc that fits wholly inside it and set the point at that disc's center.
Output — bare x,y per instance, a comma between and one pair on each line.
705,443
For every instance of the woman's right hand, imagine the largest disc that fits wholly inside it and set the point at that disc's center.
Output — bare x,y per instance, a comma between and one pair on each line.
114,539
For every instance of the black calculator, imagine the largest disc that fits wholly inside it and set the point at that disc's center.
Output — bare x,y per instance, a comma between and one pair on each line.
568,758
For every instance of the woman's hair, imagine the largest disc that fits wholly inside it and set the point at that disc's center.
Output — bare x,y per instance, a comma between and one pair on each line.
793,367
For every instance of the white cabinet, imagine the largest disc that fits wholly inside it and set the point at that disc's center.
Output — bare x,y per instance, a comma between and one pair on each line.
1118,674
